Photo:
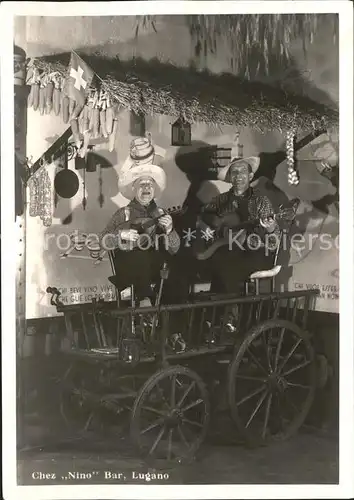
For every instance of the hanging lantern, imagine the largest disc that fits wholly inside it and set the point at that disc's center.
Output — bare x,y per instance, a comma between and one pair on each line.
181,133
293,176
137,124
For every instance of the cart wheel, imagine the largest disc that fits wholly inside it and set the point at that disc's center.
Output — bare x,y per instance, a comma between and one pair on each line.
170,415
272,381
76,413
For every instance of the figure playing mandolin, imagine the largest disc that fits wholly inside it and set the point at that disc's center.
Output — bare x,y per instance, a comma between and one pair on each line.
239,219
134,230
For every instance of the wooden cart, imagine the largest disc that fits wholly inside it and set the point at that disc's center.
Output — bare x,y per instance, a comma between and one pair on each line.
123,363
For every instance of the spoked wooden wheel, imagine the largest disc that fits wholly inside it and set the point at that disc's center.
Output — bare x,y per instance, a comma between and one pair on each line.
75,410
171,414
272,381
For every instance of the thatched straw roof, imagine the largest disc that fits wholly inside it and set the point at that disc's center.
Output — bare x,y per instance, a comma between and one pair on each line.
154,87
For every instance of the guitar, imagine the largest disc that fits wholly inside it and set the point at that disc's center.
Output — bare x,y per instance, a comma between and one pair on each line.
209,239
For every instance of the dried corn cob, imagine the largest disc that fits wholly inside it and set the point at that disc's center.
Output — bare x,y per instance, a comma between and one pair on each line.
87,137
81,115
85,118
65,108
72,105
56,99
49,96
112,137
103,122
75,130
30,97
81,121
89,114
109,116
109,120
56,94
92,118
96,122
30,75
36,88
92,106
103,107
76,111
31,80
42,95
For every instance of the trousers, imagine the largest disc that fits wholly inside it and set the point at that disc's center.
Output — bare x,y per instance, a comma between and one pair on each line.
231,268
139,268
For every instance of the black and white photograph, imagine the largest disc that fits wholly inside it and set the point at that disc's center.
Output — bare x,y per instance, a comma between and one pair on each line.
177,307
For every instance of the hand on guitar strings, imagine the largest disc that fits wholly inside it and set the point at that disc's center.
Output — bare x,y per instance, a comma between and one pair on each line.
268,223
166,223
129,235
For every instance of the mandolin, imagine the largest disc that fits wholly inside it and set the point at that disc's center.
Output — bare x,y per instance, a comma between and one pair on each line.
216,233
146,226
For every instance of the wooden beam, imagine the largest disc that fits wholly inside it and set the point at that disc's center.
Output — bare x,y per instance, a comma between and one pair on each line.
20,110
47,157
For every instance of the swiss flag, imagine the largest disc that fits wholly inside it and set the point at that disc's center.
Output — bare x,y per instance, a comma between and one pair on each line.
79,79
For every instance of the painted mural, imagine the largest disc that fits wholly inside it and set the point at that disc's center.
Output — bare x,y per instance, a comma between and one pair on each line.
311,260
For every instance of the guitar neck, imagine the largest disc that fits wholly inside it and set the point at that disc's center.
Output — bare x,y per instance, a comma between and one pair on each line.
253,222
277,216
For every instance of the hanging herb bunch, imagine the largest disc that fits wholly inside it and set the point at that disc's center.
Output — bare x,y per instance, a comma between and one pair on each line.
266,36
244,36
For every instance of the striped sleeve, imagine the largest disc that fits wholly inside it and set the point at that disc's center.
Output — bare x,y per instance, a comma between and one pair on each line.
265,210
174,242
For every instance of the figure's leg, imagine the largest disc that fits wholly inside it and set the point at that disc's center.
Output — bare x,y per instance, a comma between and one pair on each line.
176,290
259,261
229,269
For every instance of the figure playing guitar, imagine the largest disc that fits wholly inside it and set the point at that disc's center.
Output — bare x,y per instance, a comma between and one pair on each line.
230,266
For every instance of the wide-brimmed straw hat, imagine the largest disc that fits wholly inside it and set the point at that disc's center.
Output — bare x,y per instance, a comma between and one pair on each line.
252,161
141,162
